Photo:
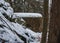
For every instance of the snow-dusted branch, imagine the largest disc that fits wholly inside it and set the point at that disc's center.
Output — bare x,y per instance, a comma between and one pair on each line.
32,15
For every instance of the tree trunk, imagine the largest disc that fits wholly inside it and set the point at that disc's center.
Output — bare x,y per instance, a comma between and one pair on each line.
45,21
54,34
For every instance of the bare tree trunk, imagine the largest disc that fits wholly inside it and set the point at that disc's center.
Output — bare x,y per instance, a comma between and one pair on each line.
45,21
54,34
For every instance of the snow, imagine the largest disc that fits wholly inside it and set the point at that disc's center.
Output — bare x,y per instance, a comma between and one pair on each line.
6,4
6,8
34,34
9,11
33,15
17,28
11,32
2,2
35,42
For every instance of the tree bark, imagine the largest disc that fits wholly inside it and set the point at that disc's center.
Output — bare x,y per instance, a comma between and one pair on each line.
45,21
54,27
